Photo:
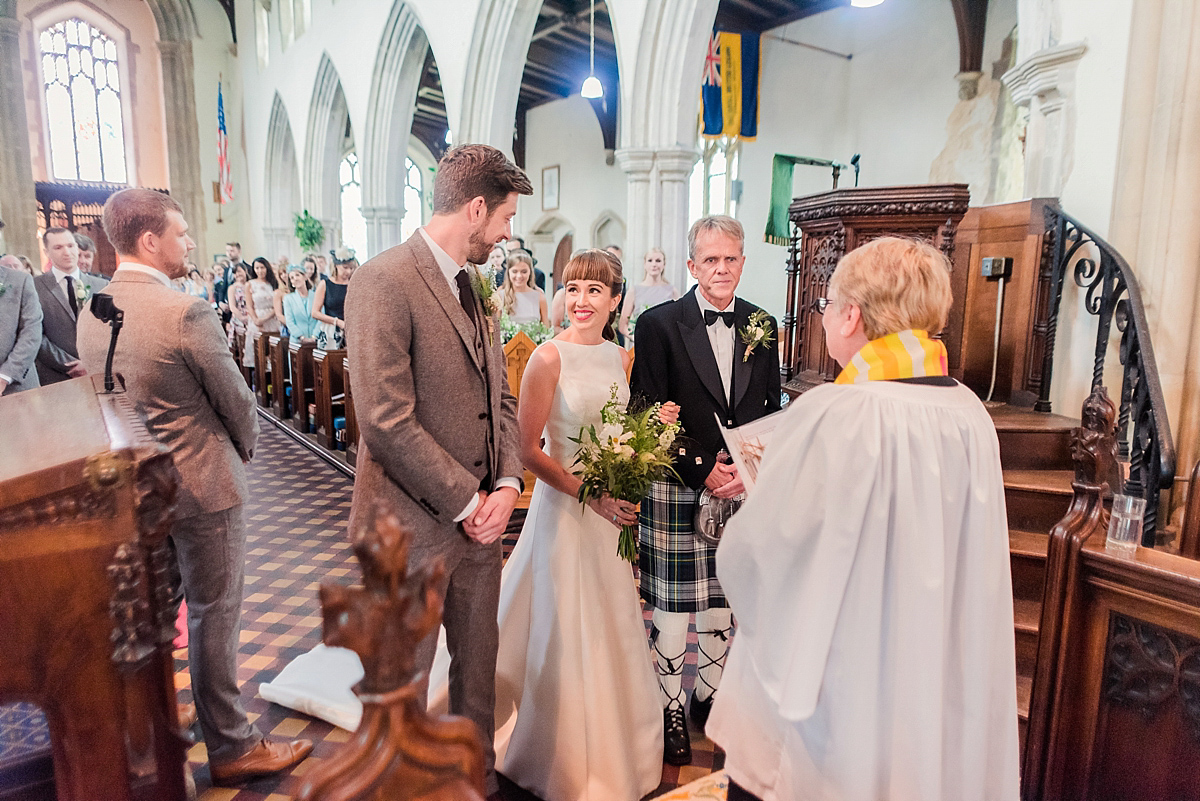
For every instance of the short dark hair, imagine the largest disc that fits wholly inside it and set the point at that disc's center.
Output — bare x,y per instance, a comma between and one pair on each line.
54,229
85,242
470,171
132,212
520,239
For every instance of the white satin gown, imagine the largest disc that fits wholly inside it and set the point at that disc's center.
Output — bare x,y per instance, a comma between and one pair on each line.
578,716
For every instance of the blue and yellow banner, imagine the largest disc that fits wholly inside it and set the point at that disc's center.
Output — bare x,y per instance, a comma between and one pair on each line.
730,88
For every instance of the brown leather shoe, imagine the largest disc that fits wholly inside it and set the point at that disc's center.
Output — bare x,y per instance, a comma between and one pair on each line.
262,760
187,715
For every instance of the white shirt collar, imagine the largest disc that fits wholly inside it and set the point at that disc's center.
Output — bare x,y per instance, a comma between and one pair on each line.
134,267
444,261
705,305
59,275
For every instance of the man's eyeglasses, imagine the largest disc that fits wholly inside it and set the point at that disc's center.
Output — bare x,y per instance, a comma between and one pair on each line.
820,304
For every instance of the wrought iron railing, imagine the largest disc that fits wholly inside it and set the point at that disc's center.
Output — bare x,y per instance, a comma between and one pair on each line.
1111,294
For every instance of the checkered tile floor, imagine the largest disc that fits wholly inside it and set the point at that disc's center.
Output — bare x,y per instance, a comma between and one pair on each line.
296,539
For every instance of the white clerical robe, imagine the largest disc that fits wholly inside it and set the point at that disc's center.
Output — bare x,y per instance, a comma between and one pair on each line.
869,574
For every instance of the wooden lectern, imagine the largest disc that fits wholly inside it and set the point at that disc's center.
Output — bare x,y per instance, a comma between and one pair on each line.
829,225
86,500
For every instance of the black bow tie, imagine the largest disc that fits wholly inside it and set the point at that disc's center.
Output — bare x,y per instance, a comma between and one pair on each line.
710,317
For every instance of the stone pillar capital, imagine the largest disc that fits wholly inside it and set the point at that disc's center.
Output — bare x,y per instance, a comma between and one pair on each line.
676,165
636,162
1046,75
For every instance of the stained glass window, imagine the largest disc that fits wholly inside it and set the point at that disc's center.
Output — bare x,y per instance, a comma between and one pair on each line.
83,103
354,226
414,200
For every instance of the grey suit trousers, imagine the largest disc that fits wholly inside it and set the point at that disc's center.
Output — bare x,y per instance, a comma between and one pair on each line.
472,637
210,551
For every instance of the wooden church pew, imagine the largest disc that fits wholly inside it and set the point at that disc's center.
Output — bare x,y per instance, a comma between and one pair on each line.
350,433
300,353
277,348
329,392
516,357
262,369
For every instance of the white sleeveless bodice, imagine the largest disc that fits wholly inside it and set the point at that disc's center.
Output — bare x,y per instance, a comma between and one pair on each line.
585,379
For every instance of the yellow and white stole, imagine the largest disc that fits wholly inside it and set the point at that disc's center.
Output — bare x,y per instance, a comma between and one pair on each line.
906,354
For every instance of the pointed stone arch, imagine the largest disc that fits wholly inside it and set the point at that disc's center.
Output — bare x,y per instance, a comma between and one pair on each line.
396,78
608,229
282,190
499,45
328,120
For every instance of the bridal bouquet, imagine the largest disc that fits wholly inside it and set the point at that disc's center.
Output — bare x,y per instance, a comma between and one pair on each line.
630,452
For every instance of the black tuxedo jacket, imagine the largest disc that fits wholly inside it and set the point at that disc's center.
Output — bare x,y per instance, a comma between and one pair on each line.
674,361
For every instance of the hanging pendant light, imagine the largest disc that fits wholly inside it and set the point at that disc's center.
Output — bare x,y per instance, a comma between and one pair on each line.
865,3
592,88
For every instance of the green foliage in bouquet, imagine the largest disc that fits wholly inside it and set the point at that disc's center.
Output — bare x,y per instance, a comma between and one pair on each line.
630,452
538,331
309,231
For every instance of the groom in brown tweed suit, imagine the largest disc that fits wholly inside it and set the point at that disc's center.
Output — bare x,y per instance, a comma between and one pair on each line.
438,424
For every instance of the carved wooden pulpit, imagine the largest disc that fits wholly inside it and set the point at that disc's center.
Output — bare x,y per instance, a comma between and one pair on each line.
86,500
829,225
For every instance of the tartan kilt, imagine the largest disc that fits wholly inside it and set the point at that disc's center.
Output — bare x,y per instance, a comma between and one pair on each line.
678,571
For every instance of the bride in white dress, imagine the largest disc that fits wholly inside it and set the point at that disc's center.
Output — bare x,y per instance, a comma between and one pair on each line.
577,710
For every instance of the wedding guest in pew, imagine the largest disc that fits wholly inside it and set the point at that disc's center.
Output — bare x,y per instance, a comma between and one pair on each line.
260,305
869,569
298,306
522,302
178,372
329,301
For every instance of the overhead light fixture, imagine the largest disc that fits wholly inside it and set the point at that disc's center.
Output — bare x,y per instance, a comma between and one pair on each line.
865,3
592,88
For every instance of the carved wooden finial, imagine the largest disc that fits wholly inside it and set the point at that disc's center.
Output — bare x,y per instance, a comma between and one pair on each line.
399,752
1093,446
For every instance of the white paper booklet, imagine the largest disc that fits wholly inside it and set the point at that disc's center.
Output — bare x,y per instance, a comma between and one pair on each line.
747,443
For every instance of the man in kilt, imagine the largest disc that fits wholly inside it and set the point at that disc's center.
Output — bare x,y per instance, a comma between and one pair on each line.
693,351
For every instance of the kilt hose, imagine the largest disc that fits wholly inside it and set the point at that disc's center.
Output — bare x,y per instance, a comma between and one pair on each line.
678,570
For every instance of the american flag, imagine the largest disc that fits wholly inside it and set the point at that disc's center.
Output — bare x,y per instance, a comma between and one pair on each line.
224,174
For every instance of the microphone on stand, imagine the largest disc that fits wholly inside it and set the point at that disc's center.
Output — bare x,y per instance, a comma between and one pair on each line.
106,311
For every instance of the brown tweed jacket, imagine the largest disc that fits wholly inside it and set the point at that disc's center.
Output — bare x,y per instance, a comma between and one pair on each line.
435,413
178,371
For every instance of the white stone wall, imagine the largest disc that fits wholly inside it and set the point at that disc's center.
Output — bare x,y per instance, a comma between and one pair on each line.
566,133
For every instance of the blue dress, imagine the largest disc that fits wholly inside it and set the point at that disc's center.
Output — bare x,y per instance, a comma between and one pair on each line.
297,312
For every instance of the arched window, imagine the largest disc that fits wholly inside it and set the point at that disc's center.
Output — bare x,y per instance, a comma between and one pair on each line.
354,226
414,200
84,114
714,179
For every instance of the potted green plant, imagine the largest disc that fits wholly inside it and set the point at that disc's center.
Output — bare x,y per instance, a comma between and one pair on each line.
309,231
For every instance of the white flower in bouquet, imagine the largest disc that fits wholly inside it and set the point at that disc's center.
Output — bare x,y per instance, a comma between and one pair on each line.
631,451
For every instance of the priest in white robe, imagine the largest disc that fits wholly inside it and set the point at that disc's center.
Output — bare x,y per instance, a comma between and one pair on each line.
869,569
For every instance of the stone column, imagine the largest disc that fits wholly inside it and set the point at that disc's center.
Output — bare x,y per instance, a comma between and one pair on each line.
1156,205
1044,83
278,242
183,136
383,229
640,208
18,206
674,169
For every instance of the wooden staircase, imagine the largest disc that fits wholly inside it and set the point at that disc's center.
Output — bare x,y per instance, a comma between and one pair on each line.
1035,451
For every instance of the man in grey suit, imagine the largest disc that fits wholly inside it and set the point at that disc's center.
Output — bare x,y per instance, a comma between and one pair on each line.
176,367
20,329
439,440
64,292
